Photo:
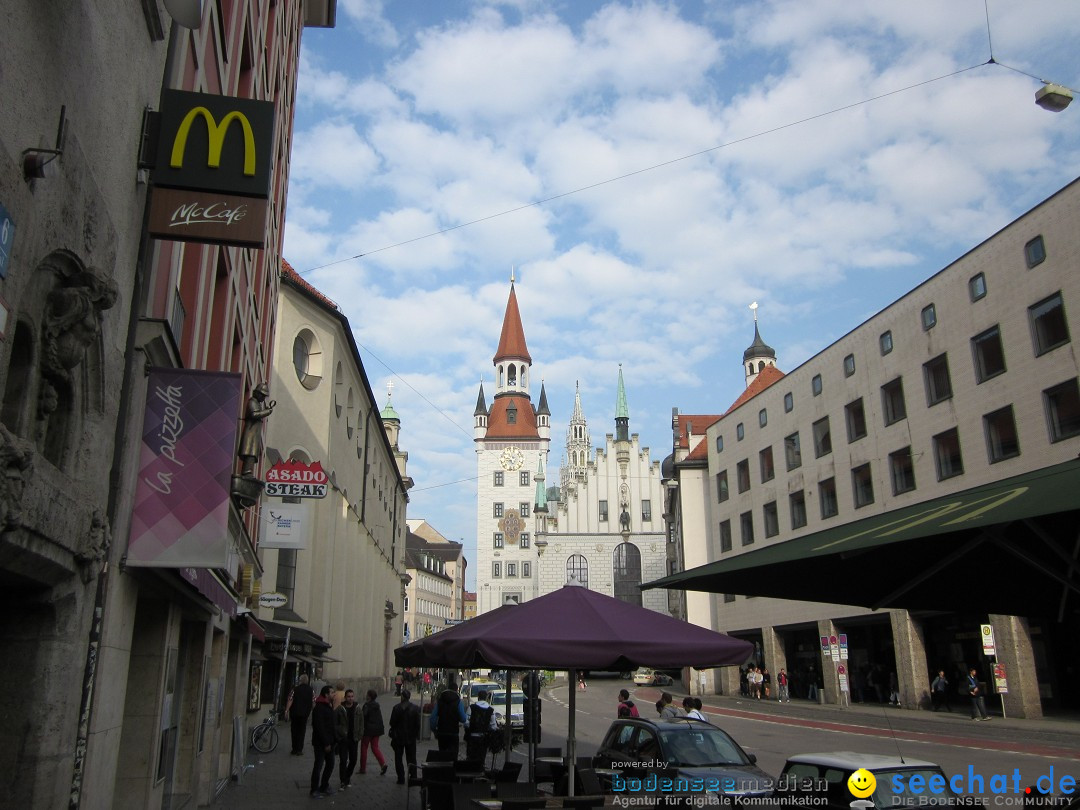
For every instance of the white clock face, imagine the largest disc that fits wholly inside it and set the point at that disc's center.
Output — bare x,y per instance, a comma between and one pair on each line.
511,458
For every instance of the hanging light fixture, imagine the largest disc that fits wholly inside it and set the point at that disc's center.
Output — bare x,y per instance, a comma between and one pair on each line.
1053,97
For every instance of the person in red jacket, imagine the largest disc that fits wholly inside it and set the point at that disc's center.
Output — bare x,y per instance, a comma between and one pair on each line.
626,705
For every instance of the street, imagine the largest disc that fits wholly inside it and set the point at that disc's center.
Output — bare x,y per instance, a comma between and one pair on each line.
775,731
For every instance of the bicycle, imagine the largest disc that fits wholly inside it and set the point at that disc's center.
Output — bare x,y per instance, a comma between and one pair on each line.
264,737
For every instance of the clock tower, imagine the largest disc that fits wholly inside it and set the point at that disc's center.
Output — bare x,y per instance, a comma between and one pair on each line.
512,437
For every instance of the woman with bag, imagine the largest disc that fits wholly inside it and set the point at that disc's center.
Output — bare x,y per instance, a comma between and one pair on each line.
373,729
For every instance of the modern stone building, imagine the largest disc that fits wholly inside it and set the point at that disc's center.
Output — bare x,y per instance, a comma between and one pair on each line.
343,579
938,442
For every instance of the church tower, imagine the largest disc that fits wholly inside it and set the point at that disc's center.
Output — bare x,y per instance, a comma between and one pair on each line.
511,439
758,354
578,444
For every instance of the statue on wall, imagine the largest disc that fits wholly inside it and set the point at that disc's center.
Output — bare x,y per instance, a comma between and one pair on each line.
251,439
16,462
73,321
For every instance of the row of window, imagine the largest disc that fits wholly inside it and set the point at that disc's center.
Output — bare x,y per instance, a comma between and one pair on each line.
499,478
1002,441
1049,330
499,509
646,510
511,569
498,540
1061,405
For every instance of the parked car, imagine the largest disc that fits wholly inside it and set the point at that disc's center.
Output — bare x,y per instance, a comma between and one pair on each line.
475,687
517,708
650,677
828,773
684,748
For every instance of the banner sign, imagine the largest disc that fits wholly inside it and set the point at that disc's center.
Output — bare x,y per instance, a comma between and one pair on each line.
842,638
987,633
186,460
284,525
215,143
183,215
1001,683
295,479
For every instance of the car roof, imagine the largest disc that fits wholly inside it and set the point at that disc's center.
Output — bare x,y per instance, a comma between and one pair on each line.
854,760
676,723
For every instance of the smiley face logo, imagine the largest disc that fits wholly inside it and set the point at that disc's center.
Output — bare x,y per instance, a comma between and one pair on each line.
861,783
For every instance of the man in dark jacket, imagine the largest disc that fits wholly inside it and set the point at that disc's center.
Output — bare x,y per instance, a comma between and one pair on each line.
626,706
404,731
447,718
297,711
348,729
323,739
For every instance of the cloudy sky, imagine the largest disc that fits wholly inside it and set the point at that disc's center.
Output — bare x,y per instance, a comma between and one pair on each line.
650,169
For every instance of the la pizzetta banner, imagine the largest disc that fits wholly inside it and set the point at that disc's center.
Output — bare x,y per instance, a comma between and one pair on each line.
186,460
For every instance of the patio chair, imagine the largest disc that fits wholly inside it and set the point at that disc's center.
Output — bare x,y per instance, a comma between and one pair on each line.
544,772
508,773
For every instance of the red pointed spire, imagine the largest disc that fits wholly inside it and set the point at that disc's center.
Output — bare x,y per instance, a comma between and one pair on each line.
512,340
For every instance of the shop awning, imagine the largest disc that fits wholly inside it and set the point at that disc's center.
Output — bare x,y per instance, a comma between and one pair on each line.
1008,547
304,645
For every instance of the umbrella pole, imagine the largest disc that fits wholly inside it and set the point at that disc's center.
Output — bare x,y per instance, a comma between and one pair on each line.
571,739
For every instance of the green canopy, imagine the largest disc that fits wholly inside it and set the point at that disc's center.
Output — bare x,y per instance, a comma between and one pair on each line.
1007,547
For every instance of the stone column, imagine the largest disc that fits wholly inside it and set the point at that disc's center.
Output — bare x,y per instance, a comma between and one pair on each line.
727,680
1012,637
912,673
826,666
772,645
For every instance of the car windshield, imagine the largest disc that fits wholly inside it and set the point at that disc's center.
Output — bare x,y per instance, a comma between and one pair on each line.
896,792
694,746
498,700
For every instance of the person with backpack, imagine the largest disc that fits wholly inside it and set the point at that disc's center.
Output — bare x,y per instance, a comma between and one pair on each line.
626,705
481,723
447,718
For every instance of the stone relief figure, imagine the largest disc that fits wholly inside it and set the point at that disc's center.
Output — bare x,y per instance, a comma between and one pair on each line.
251,439
73,321
16,462
96,548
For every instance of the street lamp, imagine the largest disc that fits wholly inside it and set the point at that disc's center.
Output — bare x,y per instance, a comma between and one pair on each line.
1053,97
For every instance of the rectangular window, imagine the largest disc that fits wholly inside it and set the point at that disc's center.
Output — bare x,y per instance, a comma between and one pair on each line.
1035,252
742,474
988,353
855,417
1002,441
511,569
721,486
902,471
892,401
719,444
497,540
789,402
862,484
929,317
739,432
1063,410
947,456
885,341
815,384
772,520
822,438
646,510
1048,326
526,570
797,504
498,478
603,511
849,365
523,509
746,528
936,377
767,470
523,478
497,510
977,287
792,451
725,536
763,417
524,540
827,495
496,569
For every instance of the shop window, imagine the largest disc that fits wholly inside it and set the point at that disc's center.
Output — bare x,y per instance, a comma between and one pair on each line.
1002,441
936,377
792,451
1049,328
772,519
1063,410
822,437
725,536
947,458
797,504
742,475
855,417
862,486
721,486
902,471
892,401
746,528
989,354
827,498
767,470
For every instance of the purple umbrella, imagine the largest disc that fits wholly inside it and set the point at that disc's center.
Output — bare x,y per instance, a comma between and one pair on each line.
574,628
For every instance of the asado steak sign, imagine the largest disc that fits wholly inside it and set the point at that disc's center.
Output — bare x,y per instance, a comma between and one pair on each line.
294,479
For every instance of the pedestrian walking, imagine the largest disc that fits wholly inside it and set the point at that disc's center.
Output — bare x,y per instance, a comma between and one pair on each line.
322,742
404,731
783,694
667,711
978,703
373,729
626,707
447,718
297,710
581,682
348,729
939,692
481,717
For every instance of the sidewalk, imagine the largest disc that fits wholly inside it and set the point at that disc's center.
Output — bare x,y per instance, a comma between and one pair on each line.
279,780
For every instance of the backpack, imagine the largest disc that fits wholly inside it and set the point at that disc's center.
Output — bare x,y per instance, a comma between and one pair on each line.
480,720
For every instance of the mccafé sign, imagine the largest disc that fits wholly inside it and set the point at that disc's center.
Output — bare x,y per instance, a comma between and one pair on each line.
212,174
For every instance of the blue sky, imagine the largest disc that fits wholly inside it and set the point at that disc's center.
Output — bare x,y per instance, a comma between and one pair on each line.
820,157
